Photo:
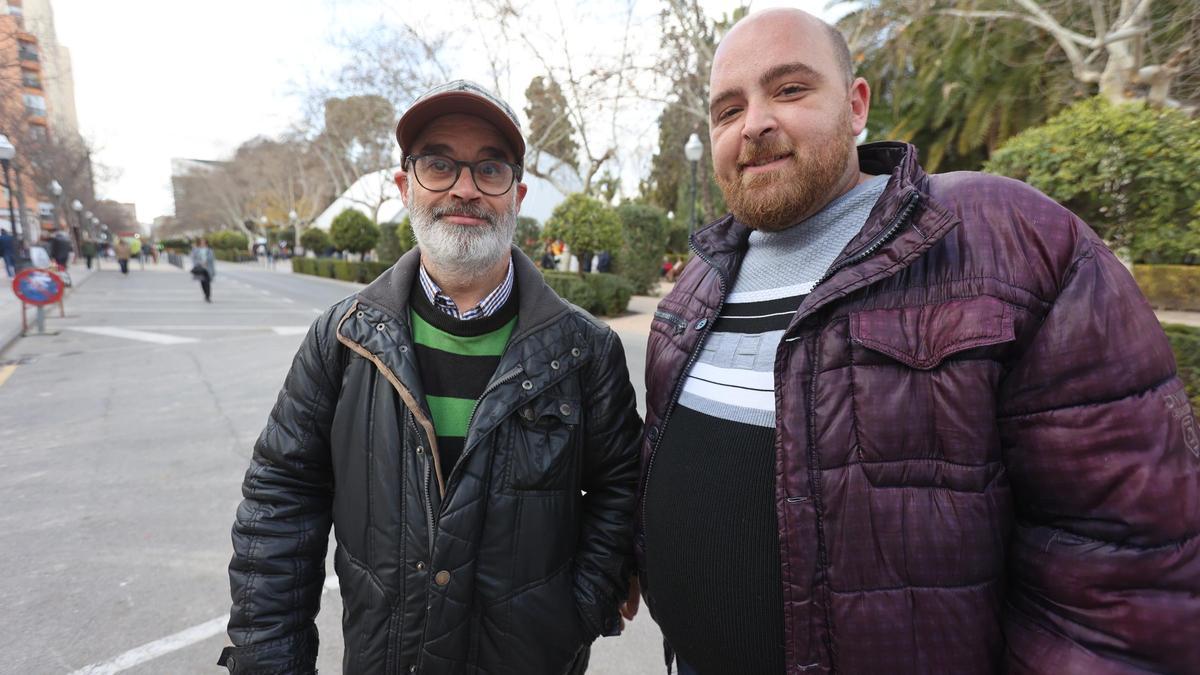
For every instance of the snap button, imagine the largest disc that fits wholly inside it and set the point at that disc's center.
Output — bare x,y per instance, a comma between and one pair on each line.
420,565
654,433
420,450
527,385
412,669
701,324
575,351
565,409
359,315
442,578
379,327
527,413
554,365
403,349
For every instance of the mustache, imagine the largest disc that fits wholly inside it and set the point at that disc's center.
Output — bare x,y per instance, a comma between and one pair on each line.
468,210
761,152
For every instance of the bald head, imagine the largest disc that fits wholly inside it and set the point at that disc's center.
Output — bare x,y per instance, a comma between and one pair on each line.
772,22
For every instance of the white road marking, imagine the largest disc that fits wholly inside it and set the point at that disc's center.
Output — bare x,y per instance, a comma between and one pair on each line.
290,330
143,336
171,643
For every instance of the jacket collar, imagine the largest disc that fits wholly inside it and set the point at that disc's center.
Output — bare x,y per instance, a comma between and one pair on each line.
537,304
724,242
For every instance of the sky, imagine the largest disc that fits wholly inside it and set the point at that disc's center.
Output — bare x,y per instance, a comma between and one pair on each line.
157,80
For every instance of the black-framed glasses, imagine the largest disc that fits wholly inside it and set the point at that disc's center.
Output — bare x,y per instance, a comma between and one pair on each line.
438,173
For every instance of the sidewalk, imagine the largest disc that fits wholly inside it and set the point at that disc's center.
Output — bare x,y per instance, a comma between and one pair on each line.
10,306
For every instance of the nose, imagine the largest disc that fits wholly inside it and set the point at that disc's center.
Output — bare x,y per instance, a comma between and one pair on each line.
758,121
464,186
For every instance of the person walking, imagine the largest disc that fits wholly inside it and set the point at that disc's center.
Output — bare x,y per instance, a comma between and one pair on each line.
123,252
204,267
8,245
89,251
470,435
899,422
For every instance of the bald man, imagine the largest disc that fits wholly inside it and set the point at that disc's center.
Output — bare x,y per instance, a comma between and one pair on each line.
900,422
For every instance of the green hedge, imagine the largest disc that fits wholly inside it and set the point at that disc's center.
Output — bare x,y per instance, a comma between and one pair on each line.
1185,342
599,294
343,270
233,255
1170,286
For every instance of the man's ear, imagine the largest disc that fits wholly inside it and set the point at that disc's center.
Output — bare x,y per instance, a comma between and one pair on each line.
860,104
521,190
402,183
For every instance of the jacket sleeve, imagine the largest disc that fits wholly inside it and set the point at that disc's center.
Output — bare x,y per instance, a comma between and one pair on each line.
282,525
1102,452
612,428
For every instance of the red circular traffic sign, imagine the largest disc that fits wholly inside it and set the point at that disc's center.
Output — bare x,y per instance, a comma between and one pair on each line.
36,286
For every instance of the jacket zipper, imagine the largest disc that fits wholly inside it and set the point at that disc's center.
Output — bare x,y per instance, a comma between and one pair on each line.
503,379
662,424
679,324
425,489
893,228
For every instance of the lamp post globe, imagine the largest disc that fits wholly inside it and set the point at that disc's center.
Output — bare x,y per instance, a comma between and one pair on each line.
292,216
693,150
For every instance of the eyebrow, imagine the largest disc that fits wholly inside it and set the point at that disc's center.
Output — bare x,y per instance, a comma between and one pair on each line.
488,151
766,79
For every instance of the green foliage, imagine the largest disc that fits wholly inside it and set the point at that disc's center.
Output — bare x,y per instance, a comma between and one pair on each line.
178,245
316,240
586,224
233,255
232,240
645,228
353,231
343,270
1128,170
528,237
598,294
1170,286
550,126
395,240
1185,342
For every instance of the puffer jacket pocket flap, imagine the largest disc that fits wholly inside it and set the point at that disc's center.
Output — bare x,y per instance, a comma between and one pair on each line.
923,336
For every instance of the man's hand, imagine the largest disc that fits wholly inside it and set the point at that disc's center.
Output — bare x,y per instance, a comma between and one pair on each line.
629,608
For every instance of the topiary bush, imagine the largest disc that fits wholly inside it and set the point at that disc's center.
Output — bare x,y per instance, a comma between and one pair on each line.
353,231
343,270
395,239
645,230
316,240
528,237
1170,286
586,224
1185,342
232,240
598,294
1128,170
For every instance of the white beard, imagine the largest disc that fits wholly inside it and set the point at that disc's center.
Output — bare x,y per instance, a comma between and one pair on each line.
463,252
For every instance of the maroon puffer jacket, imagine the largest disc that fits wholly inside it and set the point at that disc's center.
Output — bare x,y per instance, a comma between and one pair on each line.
986,461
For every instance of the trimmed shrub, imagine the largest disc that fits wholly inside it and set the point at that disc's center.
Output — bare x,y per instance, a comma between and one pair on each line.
586,224
1128,170
177,245
1185,342
598,294
343,270
1170,286
645,229
395,239
229,240
233,255
528,237
353,231
315,239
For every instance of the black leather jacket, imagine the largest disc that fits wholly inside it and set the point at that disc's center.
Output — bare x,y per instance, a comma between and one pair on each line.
512,561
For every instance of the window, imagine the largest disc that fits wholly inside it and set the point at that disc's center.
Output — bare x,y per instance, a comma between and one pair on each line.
28,51
46,210
31,79
35,105
38,132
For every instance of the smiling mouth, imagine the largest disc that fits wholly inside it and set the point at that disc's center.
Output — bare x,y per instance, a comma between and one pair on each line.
765,161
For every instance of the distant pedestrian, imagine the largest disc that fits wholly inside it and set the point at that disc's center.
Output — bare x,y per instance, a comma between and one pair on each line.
60,249
8,247
123,253
204,267
89,251
137,251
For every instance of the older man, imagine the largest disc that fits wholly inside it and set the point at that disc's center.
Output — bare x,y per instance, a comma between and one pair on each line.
448,420
900,422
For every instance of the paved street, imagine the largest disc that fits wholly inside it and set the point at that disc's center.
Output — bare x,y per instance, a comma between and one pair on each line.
123,440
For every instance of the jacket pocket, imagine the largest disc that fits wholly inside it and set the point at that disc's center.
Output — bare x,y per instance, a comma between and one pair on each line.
544,452
922,337
922,386
366,621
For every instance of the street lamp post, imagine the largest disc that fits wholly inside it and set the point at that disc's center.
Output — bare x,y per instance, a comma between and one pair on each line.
693,150
7,152
292,215
56,190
